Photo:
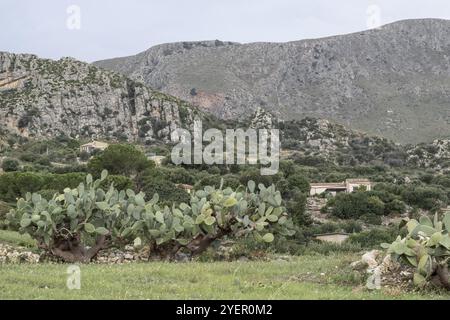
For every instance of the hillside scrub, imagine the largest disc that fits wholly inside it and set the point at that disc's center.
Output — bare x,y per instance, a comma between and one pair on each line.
14,185
386,199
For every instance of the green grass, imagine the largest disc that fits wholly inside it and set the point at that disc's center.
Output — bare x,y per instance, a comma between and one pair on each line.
305,277
14,238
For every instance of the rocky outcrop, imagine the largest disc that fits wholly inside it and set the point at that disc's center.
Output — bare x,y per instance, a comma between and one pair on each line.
126,255
10,254
262,120
45,98
434,155
313,206
388,81
383,272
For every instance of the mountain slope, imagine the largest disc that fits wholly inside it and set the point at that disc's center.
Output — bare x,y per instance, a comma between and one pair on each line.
393,81
318,141
45,98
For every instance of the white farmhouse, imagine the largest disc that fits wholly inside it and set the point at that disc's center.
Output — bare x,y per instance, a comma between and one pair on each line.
93,145
348,186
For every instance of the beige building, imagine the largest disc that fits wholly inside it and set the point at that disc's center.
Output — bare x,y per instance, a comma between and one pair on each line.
348,186
186,187
156,159
336,237
352,184
94,145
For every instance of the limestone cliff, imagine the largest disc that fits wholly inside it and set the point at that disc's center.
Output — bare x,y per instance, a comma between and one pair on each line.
45,98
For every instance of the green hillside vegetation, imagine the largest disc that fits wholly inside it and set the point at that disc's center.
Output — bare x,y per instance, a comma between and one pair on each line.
401,190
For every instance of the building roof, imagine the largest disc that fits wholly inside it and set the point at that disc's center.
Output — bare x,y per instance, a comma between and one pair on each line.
339,184
328,185
332,234
357,181
184,186
96,144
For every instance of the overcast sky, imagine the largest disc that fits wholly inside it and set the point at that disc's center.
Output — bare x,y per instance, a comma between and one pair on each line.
112,28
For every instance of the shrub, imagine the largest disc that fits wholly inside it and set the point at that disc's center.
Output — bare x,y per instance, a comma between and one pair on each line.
375,206
371,218
16,184
296,207
395,206
9,165
229,180
393,203
372,238
300,182
48,193
15,239
326,227
287,167
119,182
351,226
427,198
254,174
4,209
285,189
178,175
84,156
120,159
29,157
353,205
214,170
249,247
43,161
167,191
327,248
69,169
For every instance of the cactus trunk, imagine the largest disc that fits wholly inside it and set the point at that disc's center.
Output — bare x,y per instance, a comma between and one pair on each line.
72,251
202,242
443,276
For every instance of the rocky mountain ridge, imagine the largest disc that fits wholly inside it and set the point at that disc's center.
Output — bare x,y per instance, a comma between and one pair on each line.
393,81
41,98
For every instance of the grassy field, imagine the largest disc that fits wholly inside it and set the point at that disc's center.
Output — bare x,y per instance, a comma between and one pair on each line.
16,239
306,277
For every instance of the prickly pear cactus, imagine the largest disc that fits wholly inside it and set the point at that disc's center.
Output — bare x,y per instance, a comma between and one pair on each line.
69,222
427,248
90,216
213,214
